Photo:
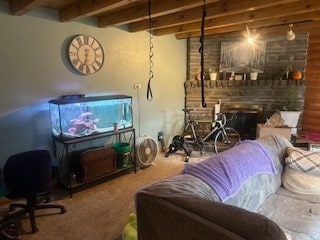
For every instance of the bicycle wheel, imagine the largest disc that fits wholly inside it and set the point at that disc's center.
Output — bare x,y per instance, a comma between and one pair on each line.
225,140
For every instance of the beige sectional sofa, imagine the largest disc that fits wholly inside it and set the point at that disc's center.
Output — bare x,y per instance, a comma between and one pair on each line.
189,206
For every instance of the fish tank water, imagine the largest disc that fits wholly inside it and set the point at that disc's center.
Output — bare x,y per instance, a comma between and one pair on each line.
85,116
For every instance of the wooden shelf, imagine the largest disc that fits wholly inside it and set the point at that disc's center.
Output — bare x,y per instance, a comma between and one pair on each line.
248,83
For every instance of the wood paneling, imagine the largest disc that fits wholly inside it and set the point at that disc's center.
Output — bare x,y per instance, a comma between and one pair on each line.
311,114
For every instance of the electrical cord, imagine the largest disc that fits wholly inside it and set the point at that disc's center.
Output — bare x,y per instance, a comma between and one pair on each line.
139,111
149,89
204,13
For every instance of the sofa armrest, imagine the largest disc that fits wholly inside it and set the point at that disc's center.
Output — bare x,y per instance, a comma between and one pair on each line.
160,219
196,218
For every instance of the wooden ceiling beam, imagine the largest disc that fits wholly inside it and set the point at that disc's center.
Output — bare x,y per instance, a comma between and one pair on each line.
290,9
140,12
20,7
182,17
86,8
222,8
261,28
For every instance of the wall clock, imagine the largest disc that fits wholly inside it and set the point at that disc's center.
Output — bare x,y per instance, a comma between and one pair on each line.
86,54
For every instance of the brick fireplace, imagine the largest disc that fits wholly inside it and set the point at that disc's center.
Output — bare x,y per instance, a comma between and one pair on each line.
261,96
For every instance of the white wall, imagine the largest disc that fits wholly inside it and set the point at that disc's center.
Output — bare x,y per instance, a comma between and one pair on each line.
34,68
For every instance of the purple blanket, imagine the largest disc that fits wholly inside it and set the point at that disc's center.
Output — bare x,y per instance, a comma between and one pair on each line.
227,171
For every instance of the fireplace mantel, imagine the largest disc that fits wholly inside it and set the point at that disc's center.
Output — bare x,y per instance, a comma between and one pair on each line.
246,83
263,96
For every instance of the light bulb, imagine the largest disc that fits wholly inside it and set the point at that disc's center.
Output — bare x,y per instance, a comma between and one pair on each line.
250,40
290,35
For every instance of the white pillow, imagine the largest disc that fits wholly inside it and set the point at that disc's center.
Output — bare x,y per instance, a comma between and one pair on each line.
304,161
288,236
301,182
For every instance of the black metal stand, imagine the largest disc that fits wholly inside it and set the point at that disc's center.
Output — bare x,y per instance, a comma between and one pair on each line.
70,182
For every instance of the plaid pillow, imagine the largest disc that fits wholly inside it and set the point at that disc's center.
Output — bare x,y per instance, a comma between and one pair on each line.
304,161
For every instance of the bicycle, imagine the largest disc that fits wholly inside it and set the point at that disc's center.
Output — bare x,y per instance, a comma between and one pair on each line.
224,137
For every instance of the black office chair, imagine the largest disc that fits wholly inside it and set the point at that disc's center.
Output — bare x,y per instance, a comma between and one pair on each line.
28,175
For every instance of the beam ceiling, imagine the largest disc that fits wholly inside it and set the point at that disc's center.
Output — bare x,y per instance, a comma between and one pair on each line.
183,17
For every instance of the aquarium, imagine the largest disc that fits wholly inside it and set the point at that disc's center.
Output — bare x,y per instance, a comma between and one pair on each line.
76,117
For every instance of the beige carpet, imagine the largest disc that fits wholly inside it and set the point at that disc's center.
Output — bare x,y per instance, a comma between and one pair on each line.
101,212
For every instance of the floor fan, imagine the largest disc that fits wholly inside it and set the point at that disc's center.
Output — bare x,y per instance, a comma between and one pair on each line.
146,151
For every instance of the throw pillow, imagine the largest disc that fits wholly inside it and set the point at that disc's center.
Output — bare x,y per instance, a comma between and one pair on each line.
304,161
130,230
288,236
301,182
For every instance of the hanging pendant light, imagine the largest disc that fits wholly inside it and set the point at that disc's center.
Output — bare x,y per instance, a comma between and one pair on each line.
250,39
290,34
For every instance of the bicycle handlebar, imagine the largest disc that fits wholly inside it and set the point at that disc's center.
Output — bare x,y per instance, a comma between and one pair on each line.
221,116
232,116
222,119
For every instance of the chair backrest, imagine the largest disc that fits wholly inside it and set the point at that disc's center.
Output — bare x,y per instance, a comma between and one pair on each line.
28,173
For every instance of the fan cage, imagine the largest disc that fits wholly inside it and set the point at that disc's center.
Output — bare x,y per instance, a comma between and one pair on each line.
146,151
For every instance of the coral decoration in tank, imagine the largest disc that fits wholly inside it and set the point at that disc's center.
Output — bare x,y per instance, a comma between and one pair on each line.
83,125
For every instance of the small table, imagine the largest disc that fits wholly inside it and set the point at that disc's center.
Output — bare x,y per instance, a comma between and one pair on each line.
302,142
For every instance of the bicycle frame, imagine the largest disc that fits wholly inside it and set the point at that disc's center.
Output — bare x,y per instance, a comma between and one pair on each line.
197,142
194,132
218,125
220,131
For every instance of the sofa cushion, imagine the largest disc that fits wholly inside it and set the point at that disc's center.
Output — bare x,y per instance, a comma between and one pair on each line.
250,196
227,171
249,225
277,148
302,160
296,214
301,182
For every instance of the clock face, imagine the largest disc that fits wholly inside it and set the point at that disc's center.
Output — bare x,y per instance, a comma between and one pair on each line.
86,54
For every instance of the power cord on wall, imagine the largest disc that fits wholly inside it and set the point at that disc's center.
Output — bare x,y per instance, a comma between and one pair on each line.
139,111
